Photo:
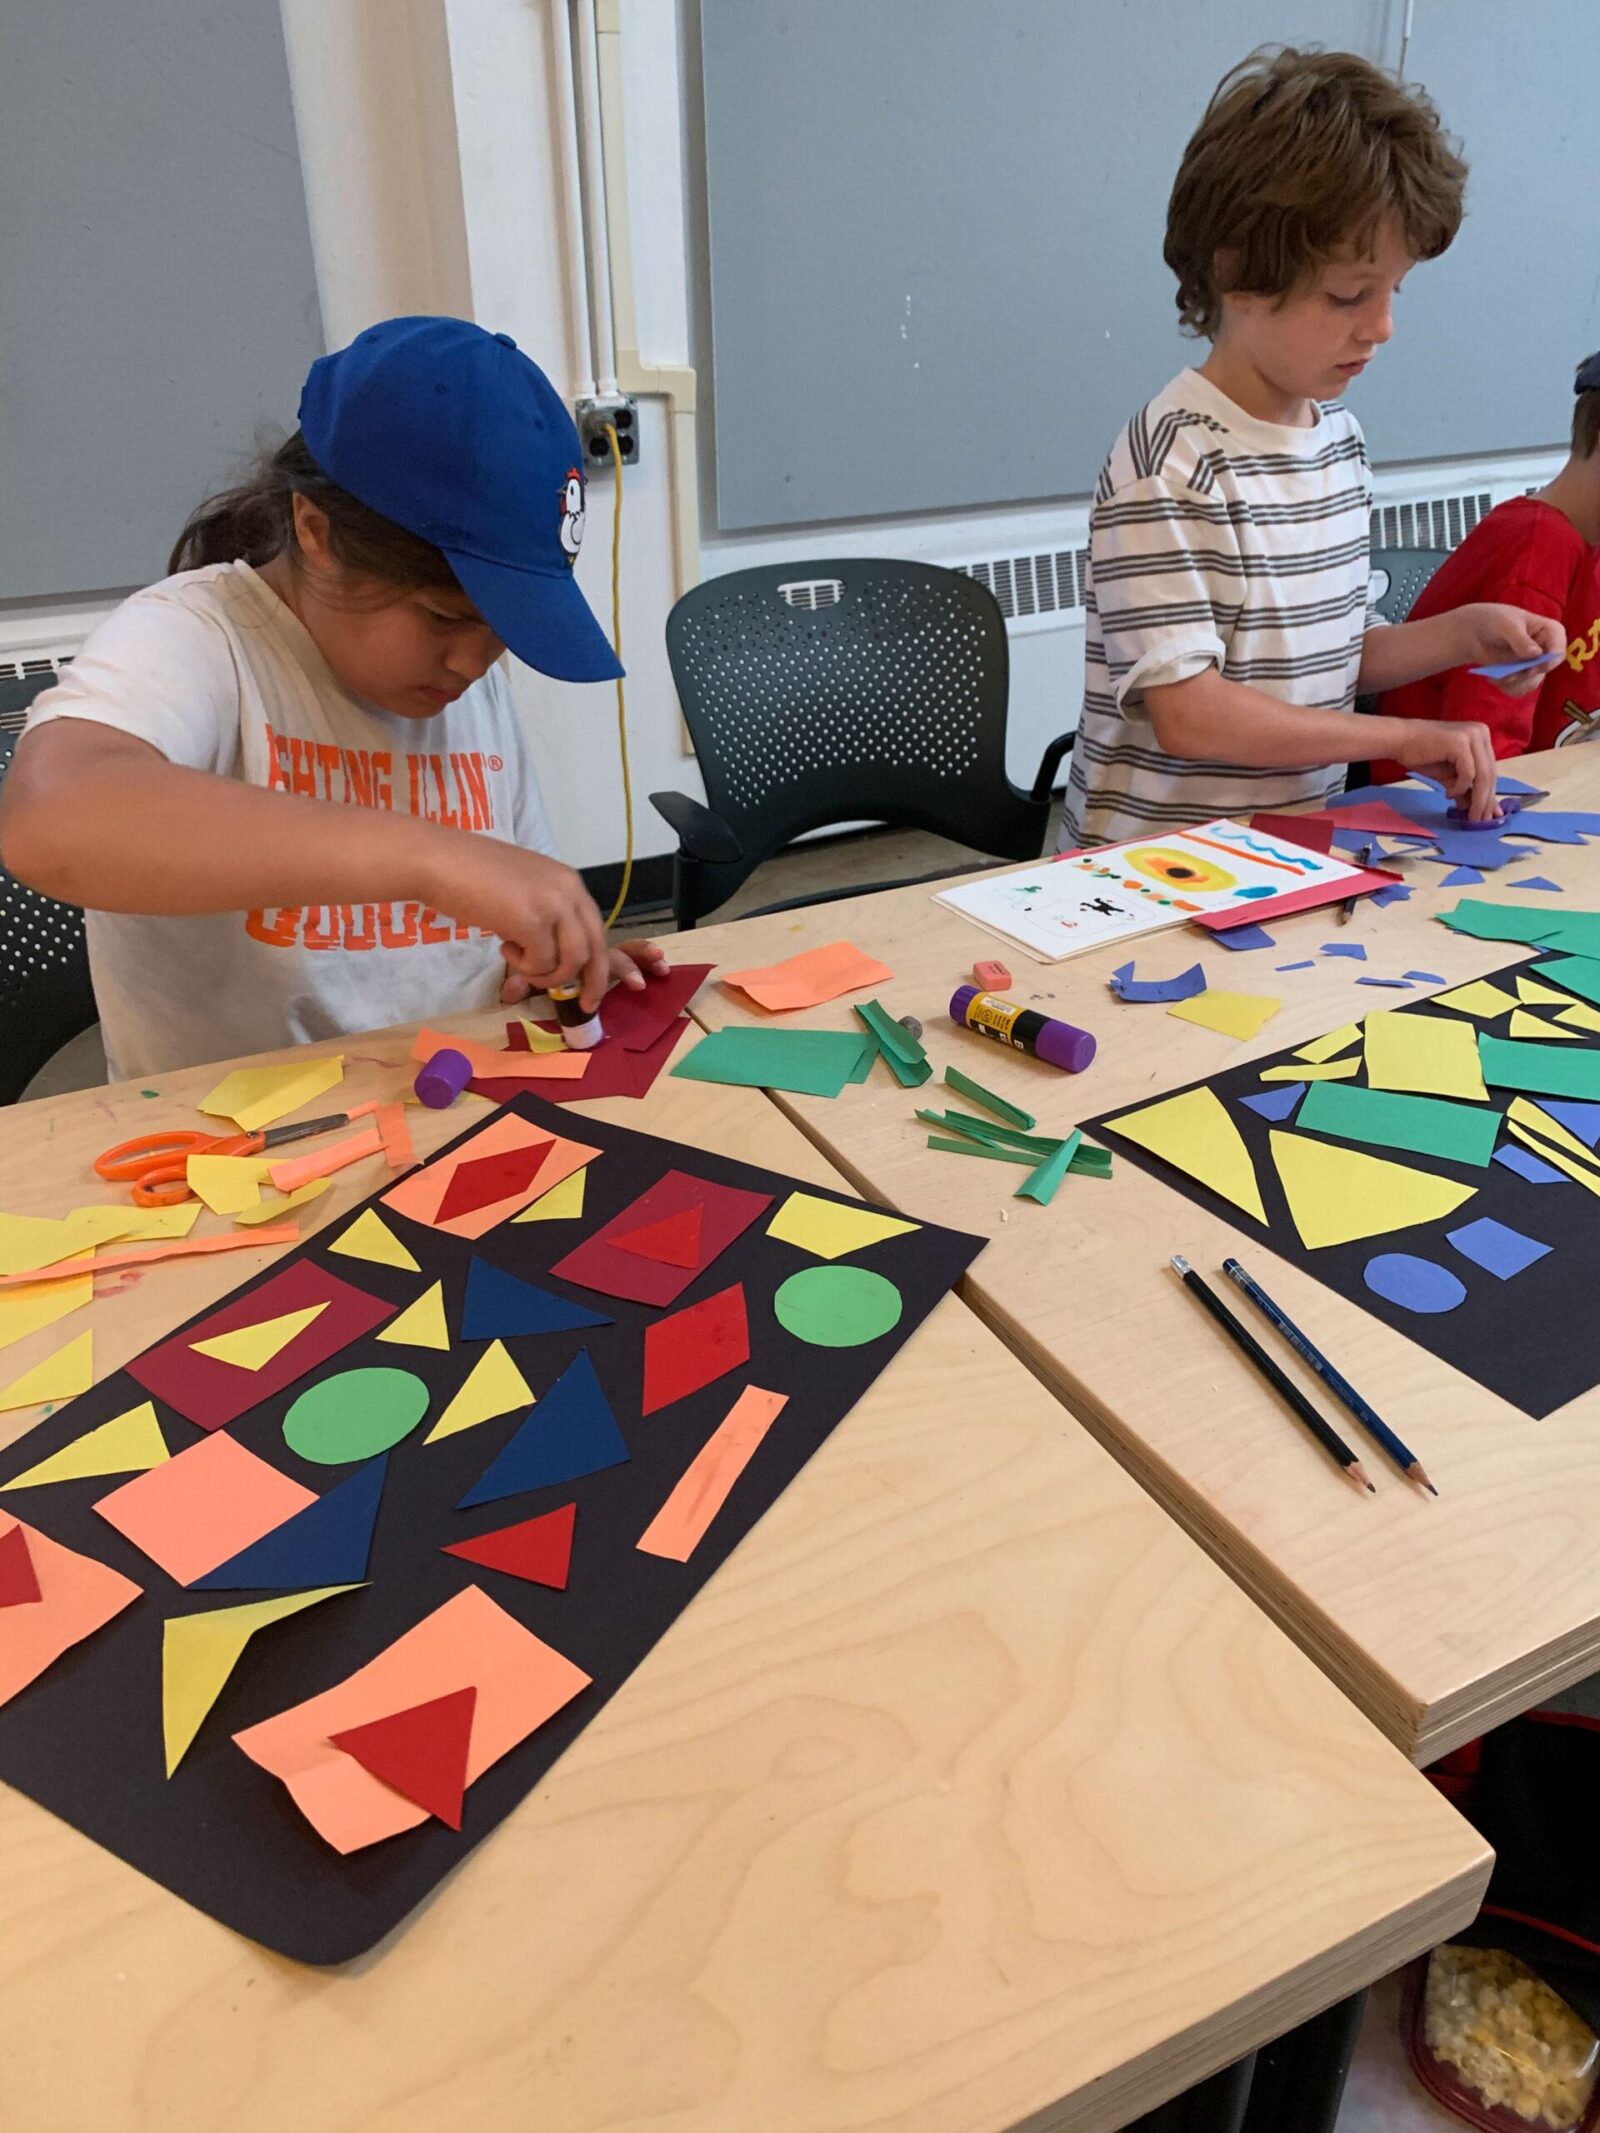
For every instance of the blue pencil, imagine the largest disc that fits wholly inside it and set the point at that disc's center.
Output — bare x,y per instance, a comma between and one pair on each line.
1374,1425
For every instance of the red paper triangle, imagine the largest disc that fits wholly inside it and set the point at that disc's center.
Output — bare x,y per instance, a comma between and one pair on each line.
694,1347
673,1241
19,1581
491,1178
537,1549
421,1752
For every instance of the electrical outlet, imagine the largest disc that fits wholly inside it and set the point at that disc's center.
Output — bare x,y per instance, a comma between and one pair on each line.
622,411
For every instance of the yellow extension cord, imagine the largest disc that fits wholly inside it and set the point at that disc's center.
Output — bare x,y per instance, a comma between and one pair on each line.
616,645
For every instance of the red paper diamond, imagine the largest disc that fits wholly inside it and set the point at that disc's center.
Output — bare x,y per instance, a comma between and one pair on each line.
421,1752
19,1581
537,1549
674,1241
491,1178
694,1348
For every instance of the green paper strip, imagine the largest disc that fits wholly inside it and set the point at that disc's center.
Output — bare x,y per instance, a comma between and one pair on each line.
870,1049
903,1051
983,1129
1539,1069
1578,973
1041,1187
804,1062
976,1093
1091,1162
1424,1125
988,1148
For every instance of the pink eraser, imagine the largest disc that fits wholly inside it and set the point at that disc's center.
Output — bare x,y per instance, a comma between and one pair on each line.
992,977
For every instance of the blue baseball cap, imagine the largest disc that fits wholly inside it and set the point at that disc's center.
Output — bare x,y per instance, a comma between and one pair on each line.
454,434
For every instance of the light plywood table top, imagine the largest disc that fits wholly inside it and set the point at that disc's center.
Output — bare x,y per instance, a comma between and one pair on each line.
1438,1618
969,1795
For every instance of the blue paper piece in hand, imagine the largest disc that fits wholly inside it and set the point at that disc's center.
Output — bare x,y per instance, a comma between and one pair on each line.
1462,878
325,1544
1353,949
1393,984
1183,987
1425,977
498,1304
1396,893
1275,1103
1496,1247
571,1433
1581,1119
1308,964
1505,668
1243,937
1537,881
1412,1283
1528,1166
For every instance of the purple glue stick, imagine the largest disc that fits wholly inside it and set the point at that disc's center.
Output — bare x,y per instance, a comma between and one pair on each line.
1002,1022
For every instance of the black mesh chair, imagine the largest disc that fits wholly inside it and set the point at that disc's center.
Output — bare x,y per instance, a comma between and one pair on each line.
842,692
45,995
1399,574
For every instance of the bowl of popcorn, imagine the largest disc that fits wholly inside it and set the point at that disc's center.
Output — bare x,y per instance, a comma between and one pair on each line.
1493,2044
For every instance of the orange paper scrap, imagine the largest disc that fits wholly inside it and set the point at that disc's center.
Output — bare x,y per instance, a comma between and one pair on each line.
77,1596
299,1170
487,1064
469,1642
807,980
680,1525
395,1132
107,1262
421,1195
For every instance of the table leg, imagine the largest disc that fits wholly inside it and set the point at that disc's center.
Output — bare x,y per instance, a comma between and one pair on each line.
1299,2079
1214,2106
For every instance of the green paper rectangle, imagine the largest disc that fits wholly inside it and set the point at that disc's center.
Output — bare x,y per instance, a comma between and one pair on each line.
996,1154
1573,933
804,1062
974,1091
1502,922
1041,1187
1539,1069
1578,973
1425,1125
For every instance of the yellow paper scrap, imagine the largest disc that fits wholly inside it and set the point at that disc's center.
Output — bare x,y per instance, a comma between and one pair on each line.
1562,1161
540,1040
103,1224
1533,994
59,1377
1194,1133
128,1444
1333,1070
1339,1194
1337,1040
227,1183
151,1223
828,1230
560,1204
1232,1014
253,1347
278,1206
254,1097
1480,998
493,1386
1423,1053
1581,1016
28,1242
1525,1025
421,1324
1524,1112
40,1303
370,1237
199,1652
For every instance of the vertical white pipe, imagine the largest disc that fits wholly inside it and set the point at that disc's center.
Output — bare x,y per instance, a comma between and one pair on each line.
577,250
597,249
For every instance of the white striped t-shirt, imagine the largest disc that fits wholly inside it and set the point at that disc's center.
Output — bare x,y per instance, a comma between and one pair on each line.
1215,539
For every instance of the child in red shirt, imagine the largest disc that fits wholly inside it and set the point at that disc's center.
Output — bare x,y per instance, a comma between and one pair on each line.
1543,553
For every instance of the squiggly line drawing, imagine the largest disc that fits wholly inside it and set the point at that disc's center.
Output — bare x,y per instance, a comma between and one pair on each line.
1293,857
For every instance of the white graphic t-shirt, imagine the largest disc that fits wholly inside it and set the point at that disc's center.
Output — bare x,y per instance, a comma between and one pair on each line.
212,669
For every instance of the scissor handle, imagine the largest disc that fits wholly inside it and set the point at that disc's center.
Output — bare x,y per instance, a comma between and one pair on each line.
132,1159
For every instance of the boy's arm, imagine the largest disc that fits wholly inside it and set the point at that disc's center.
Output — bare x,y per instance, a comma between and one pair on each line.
1485,633
97,817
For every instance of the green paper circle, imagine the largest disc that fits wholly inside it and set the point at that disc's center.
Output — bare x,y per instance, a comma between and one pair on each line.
355,1415
837,1306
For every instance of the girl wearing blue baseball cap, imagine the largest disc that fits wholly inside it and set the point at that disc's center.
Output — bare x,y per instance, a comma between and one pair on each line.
288,782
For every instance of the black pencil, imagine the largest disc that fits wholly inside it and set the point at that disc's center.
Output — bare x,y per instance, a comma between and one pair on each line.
1287,1391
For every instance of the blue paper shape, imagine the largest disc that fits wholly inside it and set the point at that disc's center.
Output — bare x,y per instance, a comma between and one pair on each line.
1275,1103
1308,964
1393,984
1462,878
1183,987
325,1544
1496,1247
1353,949
571,1433
1538,881
1581,1119
1556,825
1244,937
1425,977
1395,893
1505,784
498,1305
1481,847
1412,1283
1507,667
1529,1166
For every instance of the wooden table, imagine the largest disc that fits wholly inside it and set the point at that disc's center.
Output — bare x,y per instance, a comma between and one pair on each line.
1438,1618
969,1794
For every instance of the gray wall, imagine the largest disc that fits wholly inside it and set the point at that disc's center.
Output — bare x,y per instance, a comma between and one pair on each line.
935,236
157,296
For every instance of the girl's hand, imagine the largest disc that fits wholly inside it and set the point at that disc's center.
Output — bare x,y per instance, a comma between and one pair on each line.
633,964
1494,634
545,918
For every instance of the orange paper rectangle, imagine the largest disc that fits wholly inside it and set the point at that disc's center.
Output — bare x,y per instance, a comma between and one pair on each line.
489,1065
390,1120
421,1195
807,980
680,1525
104,1262
299,1170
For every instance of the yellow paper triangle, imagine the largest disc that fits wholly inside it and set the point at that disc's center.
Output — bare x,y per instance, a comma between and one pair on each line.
254,1097
1429,1055
279,1205
129,1444
422,1324
227,1183
1333,1070
1548,1153
1525,1025
560,1204
1480,998
59,1377
1532,994
370,1237
1233,1014
1194,1133
40,1303
1337,1040
829,1230
253,1347
1338,1194
199,1652
493,1386
1581,1016
540,1040
1524,1113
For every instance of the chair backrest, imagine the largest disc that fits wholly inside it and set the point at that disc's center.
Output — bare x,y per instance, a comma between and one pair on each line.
1403,573
851,691
45,995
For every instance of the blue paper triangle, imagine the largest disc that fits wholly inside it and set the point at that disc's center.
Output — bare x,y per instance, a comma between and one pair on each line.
1275,1103
1581,1119
572,1432
325,1544
498,1304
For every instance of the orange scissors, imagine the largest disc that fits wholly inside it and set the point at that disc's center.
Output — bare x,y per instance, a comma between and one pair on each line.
157,1164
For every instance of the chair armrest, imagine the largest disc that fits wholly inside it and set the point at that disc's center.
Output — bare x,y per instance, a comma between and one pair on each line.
701,833
1049,764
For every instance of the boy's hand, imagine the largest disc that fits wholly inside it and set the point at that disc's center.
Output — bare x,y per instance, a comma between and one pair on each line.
632,963
1460,755
1494,634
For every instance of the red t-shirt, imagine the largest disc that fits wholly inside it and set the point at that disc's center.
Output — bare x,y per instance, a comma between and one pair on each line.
1526,553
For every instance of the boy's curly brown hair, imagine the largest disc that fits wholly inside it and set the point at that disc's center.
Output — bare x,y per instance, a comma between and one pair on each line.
1300,152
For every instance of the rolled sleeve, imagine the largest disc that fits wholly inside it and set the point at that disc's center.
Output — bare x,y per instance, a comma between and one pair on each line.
1164,563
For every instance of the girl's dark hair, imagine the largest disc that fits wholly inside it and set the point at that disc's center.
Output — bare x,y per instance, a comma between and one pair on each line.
1586,410
255,522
